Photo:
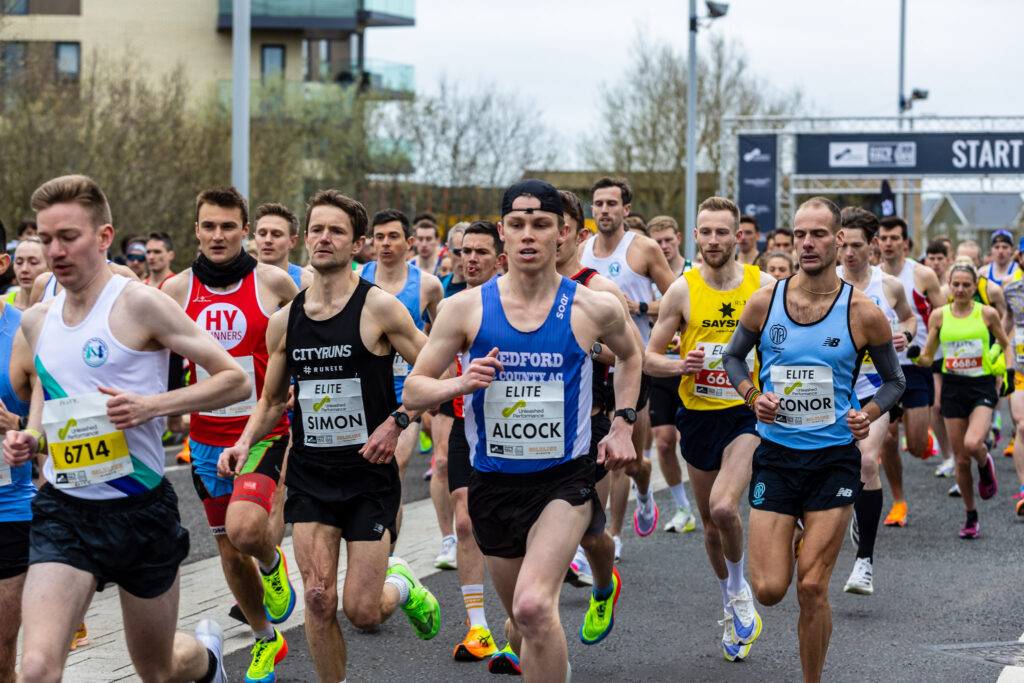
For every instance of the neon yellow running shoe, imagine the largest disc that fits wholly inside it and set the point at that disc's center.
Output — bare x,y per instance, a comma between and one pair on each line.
265,654
278,594
600,617
426,445
422,609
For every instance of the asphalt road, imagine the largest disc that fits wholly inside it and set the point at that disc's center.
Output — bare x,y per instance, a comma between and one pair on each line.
932,589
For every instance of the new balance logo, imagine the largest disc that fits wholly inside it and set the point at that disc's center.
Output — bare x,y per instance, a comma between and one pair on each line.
844,493
831,341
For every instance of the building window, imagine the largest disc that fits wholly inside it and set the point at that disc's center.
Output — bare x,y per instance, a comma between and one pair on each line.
69,61
12,60
14,6
272,61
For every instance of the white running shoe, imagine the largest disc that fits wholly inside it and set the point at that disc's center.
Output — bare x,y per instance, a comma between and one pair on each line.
209,633
746,622
682,521
733,652
447,558
954,491
580,574
860,582
945,469
618,547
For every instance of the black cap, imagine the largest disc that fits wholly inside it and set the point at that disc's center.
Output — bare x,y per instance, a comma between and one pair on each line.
548,196
1002,236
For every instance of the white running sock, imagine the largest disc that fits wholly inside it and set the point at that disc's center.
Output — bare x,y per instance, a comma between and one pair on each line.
265,634
568,672
641,497
473,599
269,569
724,585
647,453
679,495
735,576
402,585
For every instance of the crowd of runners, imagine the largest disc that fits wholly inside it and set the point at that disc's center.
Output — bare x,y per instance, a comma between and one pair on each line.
544,361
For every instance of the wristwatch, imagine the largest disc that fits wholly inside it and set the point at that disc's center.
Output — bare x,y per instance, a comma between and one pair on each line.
643,308
401,419
910,337
627,414
596,349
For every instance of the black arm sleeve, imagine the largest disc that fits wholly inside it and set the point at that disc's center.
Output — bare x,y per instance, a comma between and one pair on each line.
734,358
893,382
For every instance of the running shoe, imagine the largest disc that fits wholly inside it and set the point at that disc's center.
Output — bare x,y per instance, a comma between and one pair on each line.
1008,451
897,516
970,529
504,661
478,644
208,633
746,622
798,538
579,573
448,557
645,518
236,613
946,469
734,652
1020,505
854,530
428,475
81,638
860,581
265,654
278,594
618,547
682,521
600,617
421,609
185,456
426,445
987,485
954,491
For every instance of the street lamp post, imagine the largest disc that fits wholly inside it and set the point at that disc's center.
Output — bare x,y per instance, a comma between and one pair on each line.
240,55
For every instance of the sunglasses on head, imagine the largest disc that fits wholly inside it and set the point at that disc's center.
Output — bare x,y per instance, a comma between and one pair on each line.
138,258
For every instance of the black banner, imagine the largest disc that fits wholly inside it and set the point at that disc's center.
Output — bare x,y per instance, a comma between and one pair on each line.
910,153
757,186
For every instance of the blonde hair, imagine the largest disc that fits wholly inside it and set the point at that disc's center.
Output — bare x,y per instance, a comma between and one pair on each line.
80,189
966,264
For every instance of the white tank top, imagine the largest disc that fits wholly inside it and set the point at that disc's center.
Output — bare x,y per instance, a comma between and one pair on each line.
868,380
50,290
615,267
921,306
89,458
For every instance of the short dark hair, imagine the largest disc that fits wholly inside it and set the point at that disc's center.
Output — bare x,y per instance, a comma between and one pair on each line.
890,222
282,211
747,218
636,223
163,237
427,225
856,218
573,208
489,228
356,212
781,231
388,215
621,183
826,203
225,197
937,246
425,217
28,224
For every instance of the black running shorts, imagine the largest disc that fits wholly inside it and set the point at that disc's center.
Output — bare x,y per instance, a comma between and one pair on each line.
645,391
13,548
458,456
961,395
920,389
791,482
600,425
136,542
346,492
665,401
705,434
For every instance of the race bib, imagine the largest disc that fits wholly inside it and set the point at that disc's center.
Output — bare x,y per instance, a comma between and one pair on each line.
1018,346
398,366
712,381
84,447
964,357
242,408
332,413
525,420
6,477
806,395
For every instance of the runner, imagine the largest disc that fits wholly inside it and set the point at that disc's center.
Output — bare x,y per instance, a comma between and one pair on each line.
937,258
860,228
747,238
782,240
159,254
924,293
428,250
420,293
531,493
717,434
632,262
665,401
455,281
232,297
337,341
1015,301
135,257
807,465
1003,267
277,233
29,264
778,264
117,521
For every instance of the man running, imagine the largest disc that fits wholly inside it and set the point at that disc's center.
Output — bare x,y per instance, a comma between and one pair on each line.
810,332
527,373
97,358
665,401
1003,268
277,233
747,238
159,255
1014,292
232,297
632,262
859,230
717,432
924,293
337,341
455,281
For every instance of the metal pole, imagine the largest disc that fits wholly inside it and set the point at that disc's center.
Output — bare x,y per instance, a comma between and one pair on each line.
240,54
691,136
900,197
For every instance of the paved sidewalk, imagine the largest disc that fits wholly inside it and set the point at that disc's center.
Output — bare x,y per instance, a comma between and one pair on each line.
205,595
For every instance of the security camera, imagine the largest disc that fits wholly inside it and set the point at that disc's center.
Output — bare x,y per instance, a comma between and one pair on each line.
717,9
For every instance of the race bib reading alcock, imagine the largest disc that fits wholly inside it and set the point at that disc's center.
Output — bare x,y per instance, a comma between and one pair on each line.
525,420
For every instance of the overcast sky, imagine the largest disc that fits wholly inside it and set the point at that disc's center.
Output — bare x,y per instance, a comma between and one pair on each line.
845,56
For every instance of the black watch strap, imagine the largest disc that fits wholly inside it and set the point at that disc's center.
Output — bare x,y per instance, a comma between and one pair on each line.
401,419
627,414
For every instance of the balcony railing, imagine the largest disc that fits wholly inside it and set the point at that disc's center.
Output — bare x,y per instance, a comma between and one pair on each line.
343,15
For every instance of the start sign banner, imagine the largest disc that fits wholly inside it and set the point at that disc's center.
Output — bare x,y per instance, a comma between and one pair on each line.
910,153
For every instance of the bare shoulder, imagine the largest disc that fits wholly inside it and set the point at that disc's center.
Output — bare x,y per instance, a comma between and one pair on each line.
177,286
118,269
679,291
893,286
647,246
599,283
276,278
597,304
32,317
431,283
925,275
142,300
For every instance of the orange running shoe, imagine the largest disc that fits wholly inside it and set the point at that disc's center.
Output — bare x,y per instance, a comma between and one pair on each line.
898,515
185,457
1020,507
1008,451
81,638
478,645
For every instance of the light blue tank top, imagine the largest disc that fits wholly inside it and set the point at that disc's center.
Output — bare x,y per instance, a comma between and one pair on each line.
536,413
410,298
15,497
296,274
811,368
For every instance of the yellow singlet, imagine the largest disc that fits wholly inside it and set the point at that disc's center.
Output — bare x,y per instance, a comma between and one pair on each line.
714,316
